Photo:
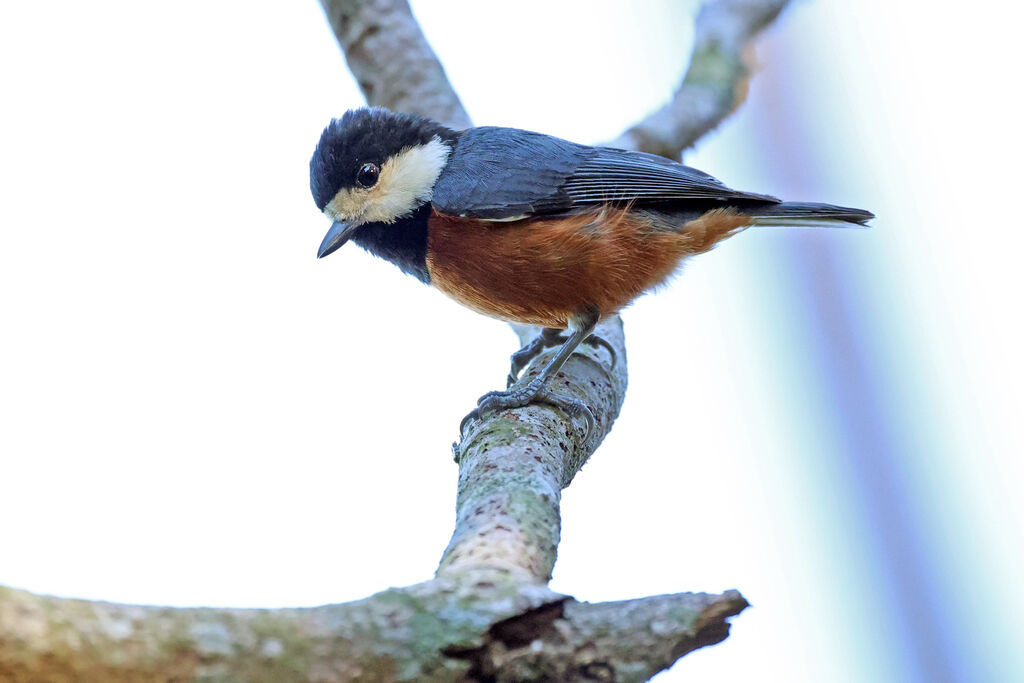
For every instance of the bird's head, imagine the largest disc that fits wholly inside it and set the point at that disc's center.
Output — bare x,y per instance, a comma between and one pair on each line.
375,166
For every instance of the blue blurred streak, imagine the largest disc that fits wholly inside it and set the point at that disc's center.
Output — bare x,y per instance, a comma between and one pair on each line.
857,352
868,442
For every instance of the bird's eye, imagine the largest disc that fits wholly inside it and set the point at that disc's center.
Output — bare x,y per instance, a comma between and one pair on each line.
367,176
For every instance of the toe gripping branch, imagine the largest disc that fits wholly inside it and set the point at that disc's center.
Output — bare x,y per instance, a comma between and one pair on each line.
581,331
550,337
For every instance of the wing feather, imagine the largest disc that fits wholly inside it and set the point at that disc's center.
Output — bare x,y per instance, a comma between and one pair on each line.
635,176
501,173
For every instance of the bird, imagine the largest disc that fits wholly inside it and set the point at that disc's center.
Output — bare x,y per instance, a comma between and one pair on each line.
526,227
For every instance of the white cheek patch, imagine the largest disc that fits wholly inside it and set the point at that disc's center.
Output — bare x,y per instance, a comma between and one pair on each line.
406,182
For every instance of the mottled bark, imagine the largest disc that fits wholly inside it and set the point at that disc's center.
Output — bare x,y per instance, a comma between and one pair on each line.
487,615
477,626
514,465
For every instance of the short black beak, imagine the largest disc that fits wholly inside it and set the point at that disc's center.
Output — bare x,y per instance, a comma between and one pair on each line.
336,237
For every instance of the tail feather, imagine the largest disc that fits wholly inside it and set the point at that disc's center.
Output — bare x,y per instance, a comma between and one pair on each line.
808,215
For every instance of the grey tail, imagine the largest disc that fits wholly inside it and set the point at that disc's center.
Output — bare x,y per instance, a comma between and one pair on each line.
808,215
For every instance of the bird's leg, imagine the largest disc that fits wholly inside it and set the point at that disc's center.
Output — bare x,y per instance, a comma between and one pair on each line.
549,337
580,327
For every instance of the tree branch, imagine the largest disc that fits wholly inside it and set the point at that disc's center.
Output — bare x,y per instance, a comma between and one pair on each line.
514,464
488,613
442,630
392,61
716,81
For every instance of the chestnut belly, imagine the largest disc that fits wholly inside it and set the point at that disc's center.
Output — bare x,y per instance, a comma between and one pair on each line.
541,271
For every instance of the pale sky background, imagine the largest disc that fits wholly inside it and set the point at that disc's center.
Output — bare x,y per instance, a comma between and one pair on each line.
195,411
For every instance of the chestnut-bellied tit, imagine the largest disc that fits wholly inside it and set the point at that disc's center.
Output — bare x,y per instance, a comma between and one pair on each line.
525,227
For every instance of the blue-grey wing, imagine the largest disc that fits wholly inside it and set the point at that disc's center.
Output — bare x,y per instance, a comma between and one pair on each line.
504,173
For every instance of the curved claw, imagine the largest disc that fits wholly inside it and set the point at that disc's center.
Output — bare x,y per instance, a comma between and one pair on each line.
533,392
498,400
470,416
514,398
573,408
595,341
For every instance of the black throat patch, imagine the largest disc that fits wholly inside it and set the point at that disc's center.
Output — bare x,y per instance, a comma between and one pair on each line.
404,242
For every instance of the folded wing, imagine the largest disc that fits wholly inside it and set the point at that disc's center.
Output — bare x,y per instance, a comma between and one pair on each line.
506,173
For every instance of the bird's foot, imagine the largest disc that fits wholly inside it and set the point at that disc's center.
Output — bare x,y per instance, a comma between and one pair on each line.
547,339
531,392
596,341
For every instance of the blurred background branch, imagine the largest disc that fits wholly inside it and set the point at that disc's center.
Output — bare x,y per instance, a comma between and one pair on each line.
391,60
715,83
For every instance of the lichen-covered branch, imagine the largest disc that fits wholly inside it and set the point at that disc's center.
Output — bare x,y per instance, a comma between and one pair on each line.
716,80
624,641
474,627
514,465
